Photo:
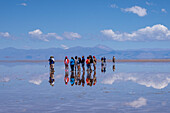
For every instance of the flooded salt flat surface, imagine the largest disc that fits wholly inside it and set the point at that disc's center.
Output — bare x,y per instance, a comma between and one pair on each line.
130,87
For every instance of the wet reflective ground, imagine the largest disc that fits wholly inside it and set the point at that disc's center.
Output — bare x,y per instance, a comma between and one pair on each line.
123,88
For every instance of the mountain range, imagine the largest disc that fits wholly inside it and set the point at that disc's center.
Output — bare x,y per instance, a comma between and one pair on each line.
99,51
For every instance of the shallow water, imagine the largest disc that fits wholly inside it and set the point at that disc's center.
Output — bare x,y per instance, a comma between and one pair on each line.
130,88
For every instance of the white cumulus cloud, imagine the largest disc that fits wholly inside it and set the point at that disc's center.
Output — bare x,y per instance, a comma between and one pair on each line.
138,103
54,35
4,34
38,34
164,10
149,3
113,6
36,82
156,32
136,10
71,35
23,4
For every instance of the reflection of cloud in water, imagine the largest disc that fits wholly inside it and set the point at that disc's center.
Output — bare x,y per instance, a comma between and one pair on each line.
36,82
39,79
58,76
5,79
155,80
137,103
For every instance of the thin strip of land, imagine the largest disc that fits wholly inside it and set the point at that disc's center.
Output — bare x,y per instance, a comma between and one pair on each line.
118,60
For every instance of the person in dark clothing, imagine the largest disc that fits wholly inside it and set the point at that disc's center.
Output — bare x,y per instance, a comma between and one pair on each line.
104,60
83,63
72,64
113,59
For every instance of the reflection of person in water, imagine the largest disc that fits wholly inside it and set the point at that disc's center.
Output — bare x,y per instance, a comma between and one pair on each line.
83,79
51,78
89,79
78,77
94,78
113,67
72,79
66,78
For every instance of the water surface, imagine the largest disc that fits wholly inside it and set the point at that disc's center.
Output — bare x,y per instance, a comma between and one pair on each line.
123,87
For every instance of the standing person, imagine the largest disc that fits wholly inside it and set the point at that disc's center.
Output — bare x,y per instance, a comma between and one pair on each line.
78,64
91,61
88,63
104,60
72,64
82,63
113,59
75,64
102,64
66,62
94,62
51,62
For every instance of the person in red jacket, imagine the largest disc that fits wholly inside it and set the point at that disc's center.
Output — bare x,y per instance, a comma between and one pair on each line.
88,63
66,62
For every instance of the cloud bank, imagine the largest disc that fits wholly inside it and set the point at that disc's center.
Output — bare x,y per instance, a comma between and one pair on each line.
136,10
38,34
156,32
71,35
154,80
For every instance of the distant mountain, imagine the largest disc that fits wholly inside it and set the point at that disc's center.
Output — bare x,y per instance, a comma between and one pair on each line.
98,51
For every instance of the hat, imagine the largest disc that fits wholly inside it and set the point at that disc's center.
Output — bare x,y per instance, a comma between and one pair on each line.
93,56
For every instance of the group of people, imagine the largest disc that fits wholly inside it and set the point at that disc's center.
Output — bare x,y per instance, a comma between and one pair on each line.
77,62
77,79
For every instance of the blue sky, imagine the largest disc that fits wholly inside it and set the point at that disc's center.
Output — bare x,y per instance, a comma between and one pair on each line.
118,24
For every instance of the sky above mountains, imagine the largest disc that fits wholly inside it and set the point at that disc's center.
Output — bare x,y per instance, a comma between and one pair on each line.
118,24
